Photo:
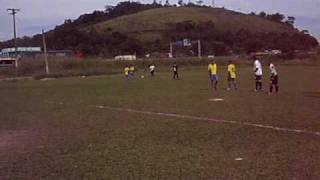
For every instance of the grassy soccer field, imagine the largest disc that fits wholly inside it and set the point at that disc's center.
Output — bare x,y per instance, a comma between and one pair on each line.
54,130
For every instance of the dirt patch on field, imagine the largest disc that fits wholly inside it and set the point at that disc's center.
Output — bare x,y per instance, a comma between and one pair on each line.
312,94
21,153
15,141
37,152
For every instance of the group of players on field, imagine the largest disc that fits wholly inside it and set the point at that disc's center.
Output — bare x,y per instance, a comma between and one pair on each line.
232,75
213,74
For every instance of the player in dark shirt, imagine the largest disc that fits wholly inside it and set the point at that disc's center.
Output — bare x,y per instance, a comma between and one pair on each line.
175,69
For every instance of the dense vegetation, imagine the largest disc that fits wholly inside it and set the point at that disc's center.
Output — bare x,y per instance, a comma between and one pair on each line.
83,34
223,43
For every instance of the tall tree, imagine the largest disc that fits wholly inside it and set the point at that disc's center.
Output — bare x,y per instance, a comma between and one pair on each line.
277,17
167,3
199,2
108,8
181,3
262,14
290,20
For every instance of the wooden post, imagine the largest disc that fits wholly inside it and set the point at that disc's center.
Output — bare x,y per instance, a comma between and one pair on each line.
171,50
45,52
199,49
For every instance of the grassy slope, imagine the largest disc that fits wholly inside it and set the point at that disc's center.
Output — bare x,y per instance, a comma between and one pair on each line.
78,141
147,24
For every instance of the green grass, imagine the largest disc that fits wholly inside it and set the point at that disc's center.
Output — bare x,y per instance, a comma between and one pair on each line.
75,140
67,67
147,25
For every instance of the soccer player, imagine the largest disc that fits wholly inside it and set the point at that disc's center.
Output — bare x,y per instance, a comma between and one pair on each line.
152,68
257,68
212,69
175,68
273,78
232,76
132,69
126,72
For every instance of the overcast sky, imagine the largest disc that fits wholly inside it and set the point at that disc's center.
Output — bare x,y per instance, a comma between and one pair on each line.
46,14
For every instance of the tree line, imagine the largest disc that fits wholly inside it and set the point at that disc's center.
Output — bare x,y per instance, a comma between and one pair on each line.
243,41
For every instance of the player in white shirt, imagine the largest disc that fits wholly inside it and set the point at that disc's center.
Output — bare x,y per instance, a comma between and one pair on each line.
273,78
152,68
175,69
257,69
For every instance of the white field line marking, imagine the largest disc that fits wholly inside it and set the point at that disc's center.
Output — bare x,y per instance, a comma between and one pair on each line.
216,100
297,131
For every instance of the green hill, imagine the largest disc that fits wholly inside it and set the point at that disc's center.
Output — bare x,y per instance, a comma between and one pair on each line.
132,27
148,25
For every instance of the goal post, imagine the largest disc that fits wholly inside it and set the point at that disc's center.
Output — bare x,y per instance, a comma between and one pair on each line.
185,43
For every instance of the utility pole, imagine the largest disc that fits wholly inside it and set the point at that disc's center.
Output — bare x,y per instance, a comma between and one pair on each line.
45,52
13,12
171,50
199,49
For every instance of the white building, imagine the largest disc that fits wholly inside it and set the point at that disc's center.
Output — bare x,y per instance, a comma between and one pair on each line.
126,57
7,52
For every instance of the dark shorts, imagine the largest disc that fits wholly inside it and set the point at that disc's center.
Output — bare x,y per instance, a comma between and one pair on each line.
274,80
231,79
214,77
258,78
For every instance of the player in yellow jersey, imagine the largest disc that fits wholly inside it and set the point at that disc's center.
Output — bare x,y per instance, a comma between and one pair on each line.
213,76
232,75
126,72
132,69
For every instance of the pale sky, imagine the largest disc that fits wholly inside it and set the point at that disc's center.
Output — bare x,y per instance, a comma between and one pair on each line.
46,14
